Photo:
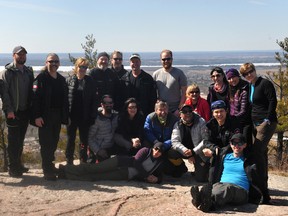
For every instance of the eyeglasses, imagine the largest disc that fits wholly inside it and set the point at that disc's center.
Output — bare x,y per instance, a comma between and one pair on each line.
53,61
157,149
132,107
107,102
215,76
83,67
186,111
117,59
194,92
166,59
246,74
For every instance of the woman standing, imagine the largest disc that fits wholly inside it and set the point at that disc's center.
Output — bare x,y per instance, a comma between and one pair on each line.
50,110
263,99
239,104
130,131
219,89
82,108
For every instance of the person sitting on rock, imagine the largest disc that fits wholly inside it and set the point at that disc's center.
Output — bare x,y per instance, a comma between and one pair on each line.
145,165
232,181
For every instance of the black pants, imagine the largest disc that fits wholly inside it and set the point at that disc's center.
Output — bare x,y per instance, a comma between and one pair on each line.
71,136
48,139
16,133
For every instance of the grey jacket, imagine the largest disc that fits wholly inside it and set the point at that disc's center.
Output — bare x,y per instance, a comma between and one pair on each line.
10,96
198,135
101,133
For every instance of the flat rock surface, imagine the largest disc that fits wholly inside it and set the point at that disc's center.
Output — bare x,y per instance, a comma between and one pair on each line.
32,195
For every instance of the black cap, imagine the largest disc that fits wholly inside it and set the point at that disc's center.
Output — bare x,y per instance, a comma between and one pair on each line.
238,138
18,49
160,146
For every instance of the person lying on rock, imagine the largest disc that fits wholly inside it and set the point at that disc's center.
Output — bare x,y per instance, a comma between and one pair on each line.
145,165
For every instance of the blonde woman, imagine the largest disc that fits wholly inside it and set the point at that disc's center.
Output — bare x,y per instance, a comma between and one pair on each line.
199,105
82,108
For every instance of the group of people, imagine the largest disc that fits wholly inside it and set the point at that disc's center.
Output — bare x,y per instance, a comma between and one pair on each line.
151,123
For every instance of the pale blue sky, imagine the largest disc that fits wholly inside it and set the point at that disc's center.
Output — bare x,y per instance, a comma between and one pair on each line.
43,26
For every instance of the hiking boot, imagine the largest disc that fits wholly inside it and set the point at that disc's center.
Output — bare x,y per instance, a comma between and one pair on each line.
205,194
196,197
15,173
50,176
24,169
61,172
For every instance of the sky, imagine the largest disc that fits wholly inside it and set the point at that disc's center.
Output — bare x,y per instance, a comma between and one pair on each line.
60,26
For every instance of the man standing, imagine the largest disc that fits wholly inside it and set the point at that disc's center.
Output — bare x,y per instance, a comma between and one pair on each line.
122,74
17,91
142,86
106,82
171,83
187,138
101,133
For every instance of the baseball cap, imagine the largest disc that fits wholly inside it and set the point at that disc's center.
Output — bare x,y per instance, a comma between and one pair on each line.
135,55
18,49
238,139
159,146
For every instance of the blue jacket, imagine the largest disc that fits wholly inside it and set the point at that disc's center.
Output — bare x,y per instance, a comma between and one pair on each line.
156,132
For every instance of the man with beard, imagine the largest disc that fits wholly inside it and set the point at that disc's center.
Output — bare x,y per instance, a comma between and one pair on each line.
187,138
142,86
16,98
122,74
106,82
101,133
171,83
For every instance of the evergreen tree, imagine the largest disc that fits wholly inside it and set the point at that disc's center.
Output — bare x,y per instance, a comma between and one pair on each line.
90,53
280,80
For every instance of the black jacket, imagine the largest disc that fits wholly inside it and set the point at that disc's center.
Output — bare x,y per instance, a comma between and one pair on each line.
219,136
41,101
88,96
144,90
106,82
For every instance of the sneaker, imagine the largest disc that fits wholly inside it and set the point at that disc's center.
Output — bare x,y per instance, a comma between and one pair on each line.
15,173
50,176
196,197
206,198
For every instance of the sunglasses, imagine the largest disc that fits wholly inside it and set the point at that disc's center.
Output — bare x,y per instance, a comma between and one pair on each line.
83,67
215,76
237,143
194,92
166,59
249,72
132,107
107,103
117,59
53,61
186,111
